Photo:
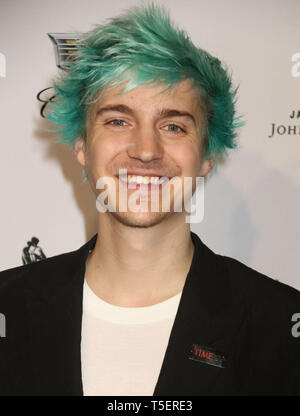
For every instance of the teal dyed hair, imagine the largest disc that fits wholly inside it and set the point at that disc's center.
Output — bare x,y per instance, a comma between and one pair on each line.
143,46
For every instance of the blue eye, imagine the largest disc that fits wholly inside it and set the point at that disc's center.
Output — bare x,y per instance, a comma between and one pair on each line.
174,128
117,122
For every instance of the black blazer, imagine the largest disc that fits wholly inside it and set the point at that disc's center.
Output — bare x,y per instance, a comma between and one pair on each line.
231,335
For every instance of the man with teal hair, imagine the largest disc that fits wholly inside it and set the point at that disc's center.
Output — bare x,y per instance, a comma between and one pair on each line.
145,308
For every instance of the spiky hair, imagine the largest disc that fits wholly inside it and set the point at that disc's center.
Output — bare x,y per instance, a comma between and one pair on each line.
143,46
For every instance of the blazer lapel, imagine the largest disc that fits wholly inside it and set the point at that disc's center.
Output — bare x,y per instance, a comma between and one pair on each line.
207,316
55,316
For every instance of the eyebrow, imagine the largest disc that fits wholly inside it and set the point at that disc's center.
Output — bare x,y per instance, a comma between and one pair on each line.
166,112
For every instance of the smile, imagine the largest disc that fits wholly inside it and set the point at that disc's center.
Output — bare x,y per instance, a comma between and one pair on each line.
146,180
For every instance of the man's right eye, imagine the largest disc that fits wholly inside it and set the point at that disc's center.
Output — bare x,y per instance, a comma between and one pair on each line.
117,122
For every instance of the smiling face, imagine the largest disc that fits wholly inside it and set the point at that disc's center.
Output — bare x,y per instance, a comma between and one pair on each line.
149,133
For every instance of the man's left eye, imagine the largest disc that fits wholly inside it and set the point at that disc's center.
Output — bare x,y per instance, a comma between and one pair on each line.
174,128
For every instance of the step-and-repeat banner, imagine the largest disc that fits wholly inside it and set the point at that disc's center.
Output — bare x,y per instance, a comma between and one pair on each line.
252,200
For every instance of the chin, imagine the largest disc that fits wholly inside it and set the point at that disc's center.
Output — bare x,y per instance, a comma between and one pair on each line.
140,219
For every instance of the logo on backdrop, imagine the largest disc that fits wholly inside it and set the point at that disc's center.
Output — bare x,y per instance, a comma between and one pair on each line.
32,252
65,46
292,128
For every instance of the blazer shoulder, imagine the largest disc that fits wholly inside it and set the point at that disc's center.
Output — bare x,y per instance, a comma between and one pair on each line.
258,286
45,275
29,272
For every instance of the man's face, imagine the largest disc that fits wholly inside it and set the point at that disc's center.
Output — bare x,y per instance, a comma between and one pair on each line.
149,133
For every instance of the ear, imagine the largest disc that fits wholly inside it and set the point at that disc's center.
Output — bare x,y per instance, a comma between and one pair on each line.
79,151
207,166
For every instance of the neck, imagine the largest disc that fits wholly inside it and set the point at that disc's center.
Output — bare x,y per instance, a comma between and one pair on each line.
135,267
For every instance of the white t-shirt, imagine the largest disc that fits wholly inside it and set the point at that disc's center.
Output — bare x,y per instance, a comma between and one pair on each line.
122,349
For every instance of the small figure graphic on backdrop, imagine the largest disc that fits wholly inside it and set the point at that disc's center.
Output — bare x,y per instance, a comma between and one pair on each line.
32,252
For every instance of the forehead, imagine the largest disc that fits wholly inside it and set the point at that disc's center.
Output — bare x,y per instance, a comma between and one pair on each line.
148,98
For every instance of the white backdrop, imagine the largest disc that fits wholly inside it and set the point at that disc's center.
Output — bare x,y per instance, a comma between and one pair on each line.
251,202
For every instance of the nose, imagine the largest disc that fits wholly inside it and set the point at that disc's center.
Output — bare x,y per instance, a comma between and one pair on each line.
145,144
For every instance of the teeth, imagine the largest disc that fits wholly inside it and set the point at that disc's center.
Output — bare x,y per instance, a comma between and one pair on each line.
143,179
